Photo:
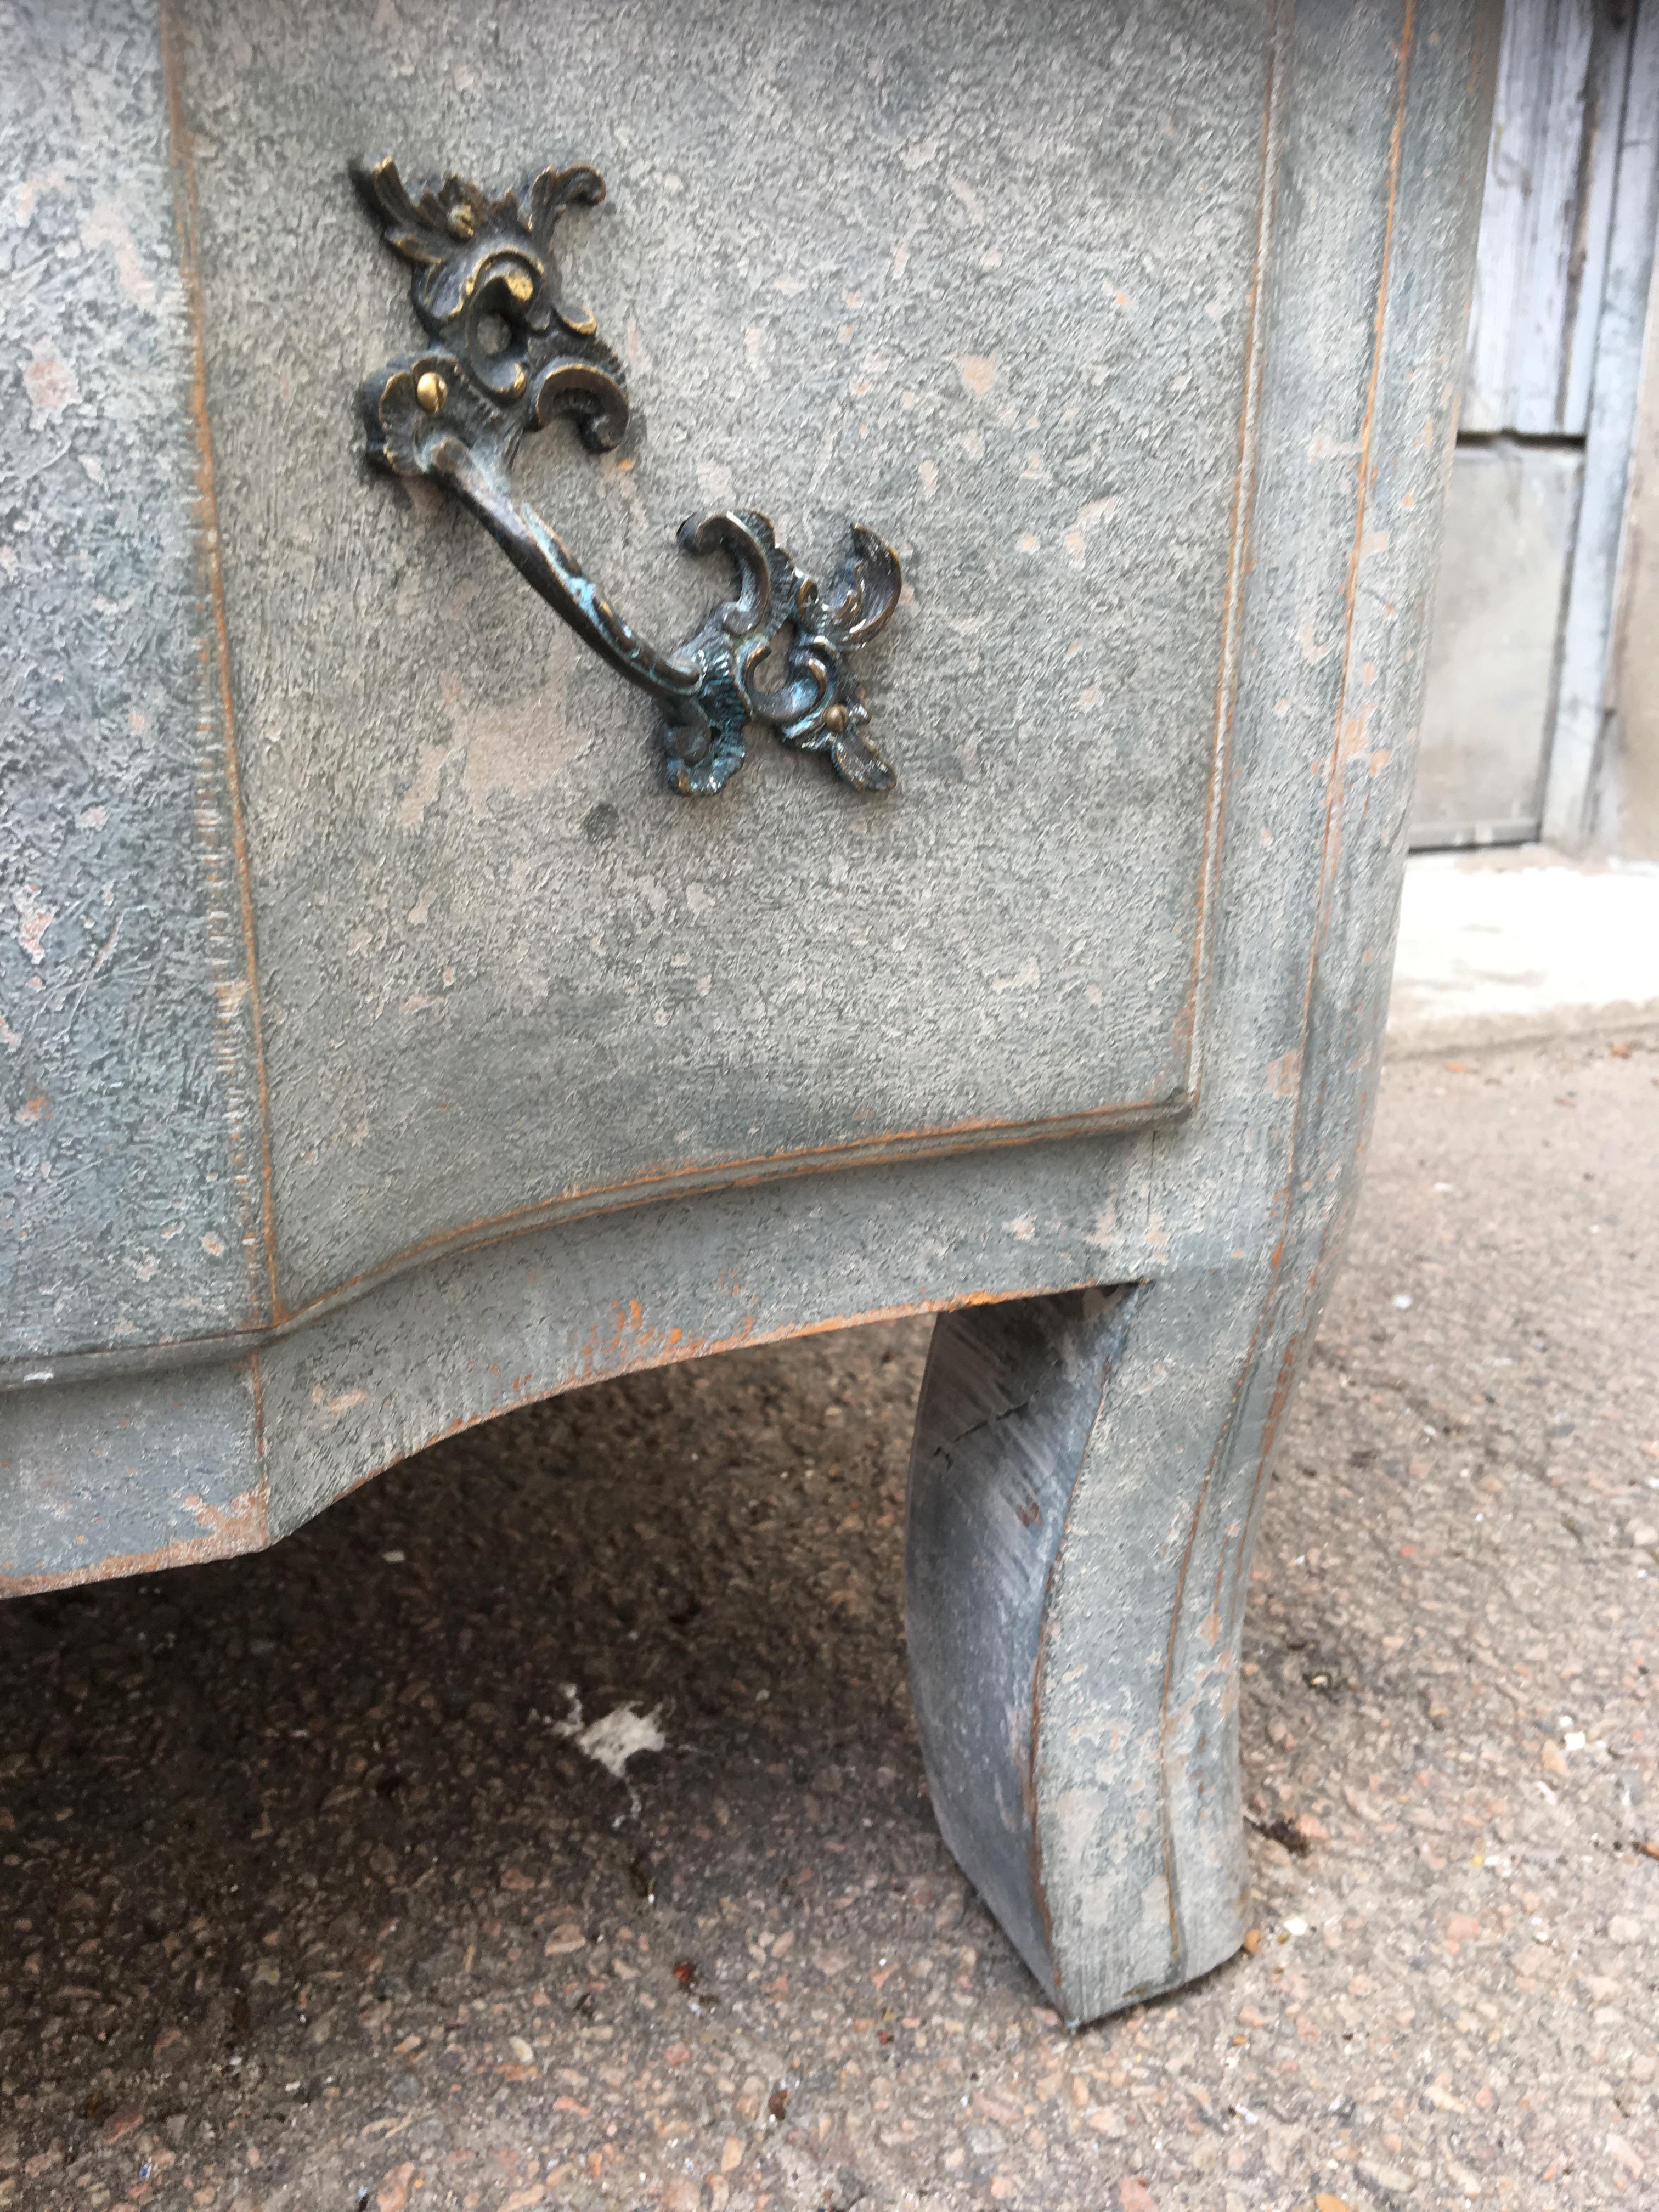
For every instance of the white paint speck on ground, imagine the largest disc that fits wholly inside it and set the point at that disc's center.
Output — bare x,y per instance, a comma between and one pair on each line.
1522,942
619,1735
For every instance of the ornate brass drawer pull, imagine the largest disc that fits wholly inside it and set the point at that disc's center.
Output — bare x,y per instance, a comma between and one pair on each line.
509,354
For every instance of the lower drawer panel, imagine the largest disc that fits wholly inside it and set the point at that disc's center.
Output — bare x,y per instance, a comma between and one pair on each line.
988,290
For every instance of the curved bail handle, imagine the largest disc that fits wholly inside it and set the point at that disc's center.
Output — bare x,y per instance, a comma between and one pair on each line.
508,354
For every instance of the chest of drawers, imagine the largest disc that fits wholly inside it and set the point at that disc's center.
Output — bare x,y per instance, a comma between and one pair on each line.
404,1014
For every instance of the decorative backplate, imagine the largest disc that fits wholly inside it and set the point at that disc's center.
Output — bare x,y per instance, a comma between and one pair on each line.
511,354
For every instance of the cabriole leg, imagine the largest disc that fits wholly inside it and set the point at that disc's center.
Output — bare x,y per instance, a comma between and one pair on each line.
1082,1499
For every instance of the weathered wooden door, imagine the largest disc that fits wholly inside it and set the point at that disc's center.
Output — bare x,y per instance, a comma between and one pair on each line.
1512,715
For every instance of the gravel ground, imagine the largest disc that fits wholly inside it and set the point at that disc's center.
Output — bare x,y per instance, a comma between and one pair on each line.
318,1893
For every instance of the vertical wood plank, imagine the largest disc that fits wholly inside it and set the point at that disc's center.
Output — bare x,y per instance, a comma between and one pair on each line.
1547,218
1592,587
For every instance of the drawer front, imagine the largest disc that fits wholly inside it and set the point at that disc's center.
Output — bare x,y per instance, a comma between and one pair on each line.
982,279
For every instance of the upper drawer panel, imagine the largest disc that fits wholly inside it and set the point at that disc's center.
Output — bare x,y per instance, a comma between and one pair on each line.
983,278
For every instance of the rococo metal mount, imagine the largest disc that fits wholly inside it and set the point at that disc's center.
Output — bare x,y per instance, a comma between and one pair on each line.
509,354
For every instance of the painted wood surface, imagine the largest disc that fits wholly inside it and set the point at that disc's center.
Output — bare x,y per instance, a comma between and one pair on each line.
1547,217
131,1101
1011,1399
1575,749
506,974
1318,715
1626,799
123,1449
1563,278
1123,1872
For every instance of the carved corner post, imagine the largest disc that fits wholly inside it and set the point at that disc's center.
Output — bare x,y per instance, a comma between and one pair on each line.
1081,1495
1089,1467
